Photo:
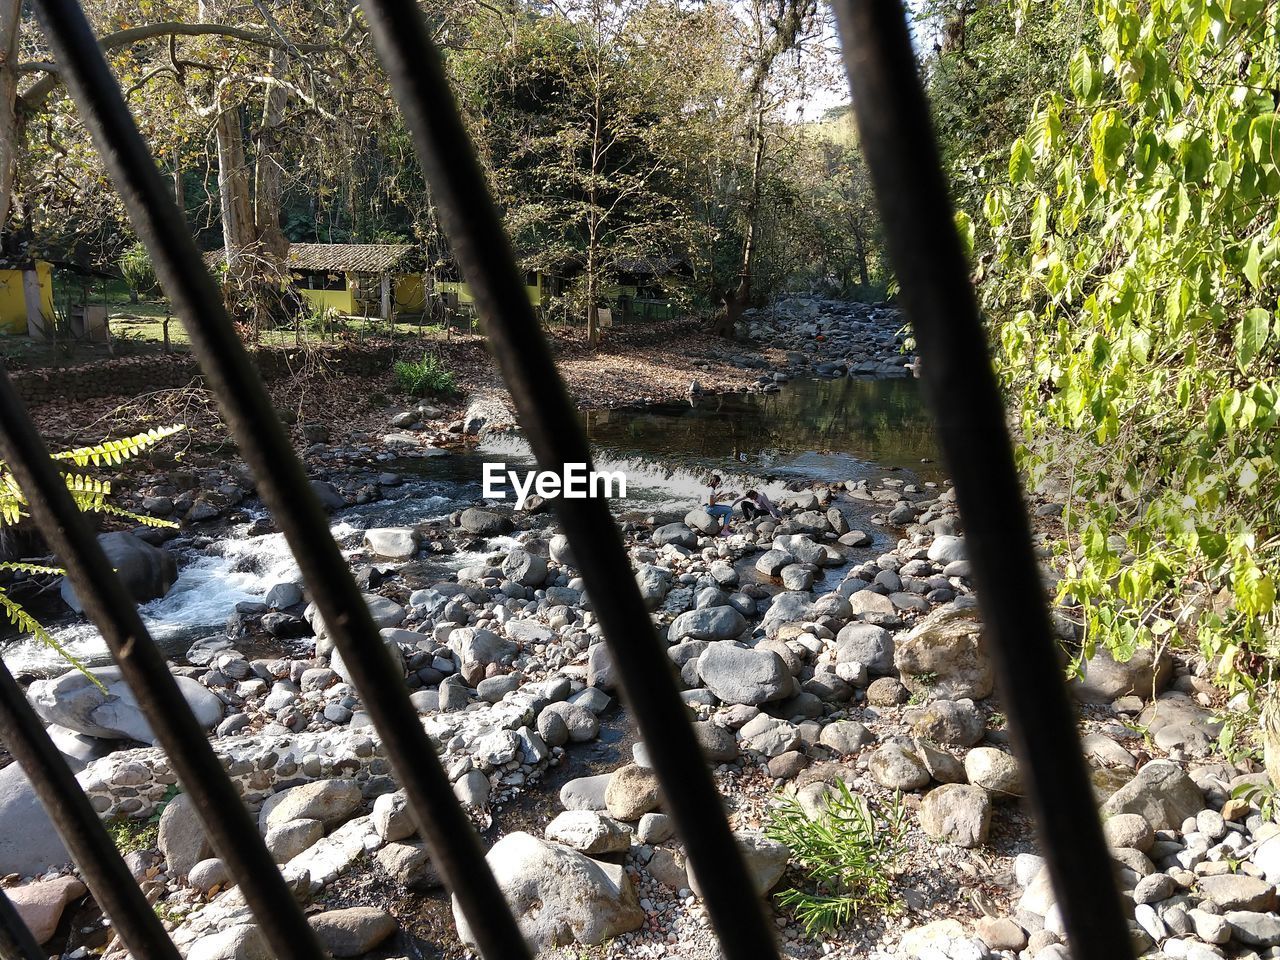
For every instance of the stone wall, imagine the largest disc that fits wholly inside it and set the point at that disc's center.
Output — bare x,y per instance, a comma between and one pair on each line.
133,376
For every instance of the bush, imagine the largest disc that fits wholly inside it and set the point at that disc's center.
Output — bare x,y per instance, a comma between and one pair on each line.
422,377
135,267
847,857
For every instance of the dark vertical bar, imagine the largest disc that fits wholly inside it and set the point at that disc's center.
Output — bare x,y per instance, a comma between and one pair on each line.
79,827
231,830
16,942
283,484
551,423
897,138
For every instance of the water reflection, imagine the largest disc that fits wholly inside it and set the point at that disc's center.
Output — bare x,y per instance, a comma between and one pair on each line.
814,429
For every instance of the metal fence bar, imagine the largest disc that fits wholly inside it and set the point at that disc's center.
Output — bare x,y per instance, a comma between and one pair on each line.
550,421
897,137
16,941
282,483
80,828
232,831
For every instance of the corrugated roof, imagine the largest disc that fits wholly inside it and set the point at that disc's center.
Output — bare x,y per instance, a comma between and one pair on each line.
344,257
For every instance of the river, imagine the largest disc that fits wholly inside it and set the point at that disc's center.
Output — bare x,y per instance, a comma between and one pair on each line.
809,430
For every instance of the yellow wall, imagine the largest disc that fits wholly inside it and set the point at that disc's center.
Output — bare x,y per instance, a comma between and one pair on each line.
13,304
410,292
463,290
341,300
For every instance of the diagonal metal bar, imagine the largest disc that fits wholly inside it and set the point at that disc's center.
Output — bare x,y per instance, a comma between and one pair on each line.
81,830
283,484
897,137
16,941
551,423
231,830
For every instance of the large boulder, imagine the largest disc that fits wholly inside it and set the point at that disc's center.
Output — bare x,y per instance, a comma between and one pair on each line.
558,895
394,543
741,675
766,861
675,533
484,523
110,711
40,904
945,655
353,931
956,723
181,836
147,572
329,801
957,813
1104,678
525,568
477,648
709,623
28,842
867,644
654,583
1161,793
588,832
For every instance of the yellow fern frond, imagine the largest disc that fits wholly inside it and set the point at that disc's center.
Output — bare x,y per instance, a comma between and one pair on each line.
20,567
141,518
26,623
112,452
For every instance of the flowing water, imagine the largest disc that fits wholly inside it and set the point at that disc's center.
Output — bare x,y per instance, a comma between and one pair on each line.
809,430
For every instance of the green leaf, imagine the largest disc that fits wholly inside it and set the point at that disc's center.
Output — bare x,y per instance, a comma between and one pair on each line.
1084,77
1251,335
1020,164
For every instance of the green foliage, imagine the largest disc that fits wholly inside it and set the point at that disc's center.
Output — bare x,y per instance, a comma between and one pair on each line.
324,320
1130,268
91,496
1261,795
425,377
135,266
847,857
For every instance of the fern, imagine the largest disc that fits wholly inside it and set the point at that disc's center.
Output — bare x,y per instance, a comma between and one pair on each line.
90,496
26,623
113,452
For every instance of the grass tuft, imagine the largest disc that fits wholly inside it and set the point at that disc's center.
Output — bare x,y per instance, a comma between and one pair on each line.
847,857
425,377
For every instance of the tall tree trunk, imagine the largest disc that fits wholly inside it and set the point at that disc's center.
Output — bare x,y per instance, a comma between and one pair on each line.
10,122
238,233
268,191
593,230
737,301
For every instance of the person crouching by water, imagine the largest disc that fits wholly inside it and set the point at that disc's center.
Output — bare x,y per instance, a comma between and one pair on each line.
755,504
716,506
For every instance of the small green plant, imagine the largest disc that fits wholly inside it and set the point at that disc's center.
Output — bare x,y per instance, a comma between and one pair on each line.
91,496
423,377
1261,795
324,320
137,271
847,857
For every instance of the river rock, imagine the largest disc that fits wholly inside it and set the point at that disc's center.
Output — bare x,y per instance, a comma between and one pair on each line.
742,675
675,533
872,606
588,832
207,874
409,864
40,904
353,931
1161,793
957,813
181,836
146,571
393,543
768,735
290,839
766,861
867,644
1105,679
895,767
585,793
29,844
484,523
945,655
654,583
339,666
698,519
582,725
772,562
1254,928
993,770
1129,830
477,648
1235,891
526,569
947,549
74,701
329,801
632,792
718,744
710,623
845,737
956,723
558,895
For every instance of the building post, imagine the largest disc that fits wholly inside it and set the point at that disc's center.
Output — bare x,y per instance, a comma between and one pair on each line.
386,296
31,295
